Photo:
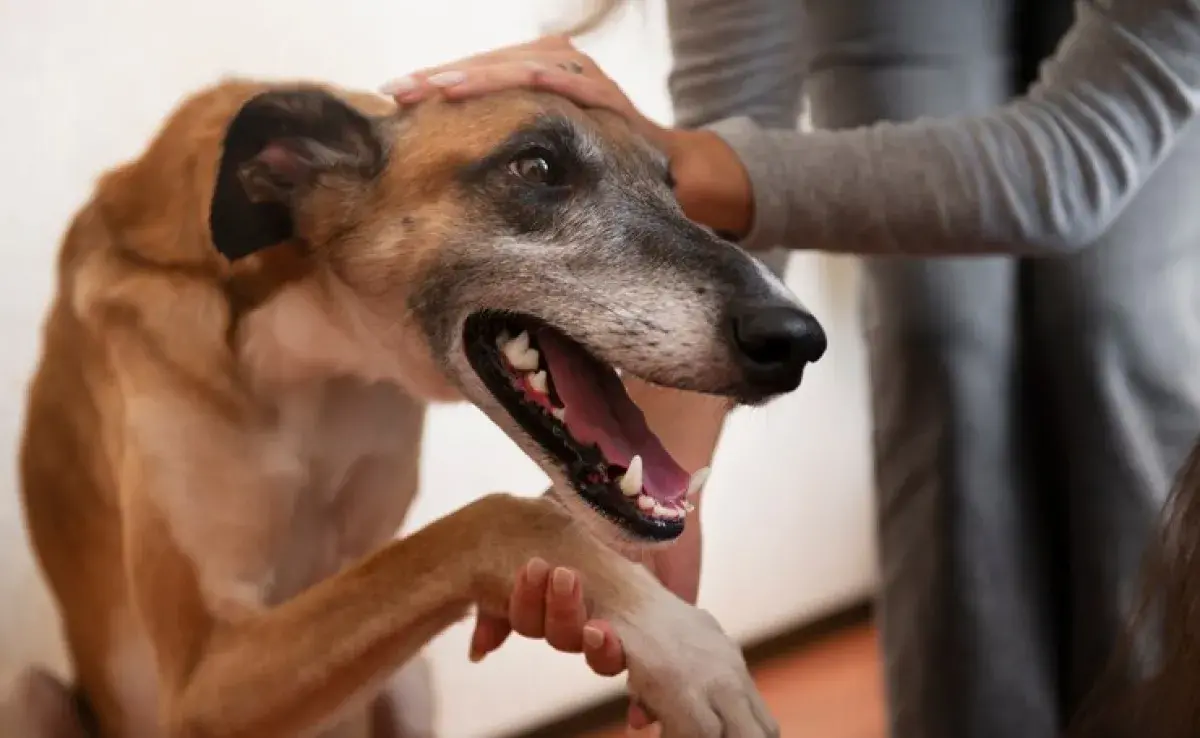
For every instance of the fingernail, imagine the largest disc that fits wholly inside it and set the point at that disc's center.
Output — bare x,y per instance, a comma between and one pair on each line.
593,637
446,79
563,581
535,572
399,86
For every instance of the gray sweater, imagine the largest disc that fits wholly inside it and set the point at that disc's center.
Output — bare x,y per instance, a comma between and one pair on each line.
1045,174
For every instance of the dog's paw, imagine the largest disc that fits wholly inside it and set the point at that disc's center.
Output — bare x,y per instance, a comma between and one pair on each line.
691,675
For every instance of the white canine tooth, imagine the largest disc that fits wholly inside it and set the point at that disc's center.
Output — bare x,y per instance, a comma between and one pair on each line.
560,414
502,340
520,342
646,502
631,480
699,479
520,355
688,507
537,382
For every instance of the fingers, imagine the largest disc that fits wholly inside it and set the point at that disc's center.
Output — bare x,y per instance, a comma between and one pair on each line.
495,78
490,633
602,649
556,68
565,612
549,604
581,89
527,606
541,73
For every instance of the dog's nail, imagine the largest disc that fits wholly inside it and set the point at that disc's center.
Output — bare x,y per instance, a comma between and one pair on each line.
563,581
447,79
399,86
536,571
593,637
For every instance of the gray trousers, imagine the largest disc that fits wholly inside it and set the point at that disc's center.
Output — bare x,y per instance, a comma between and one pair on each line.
1029,414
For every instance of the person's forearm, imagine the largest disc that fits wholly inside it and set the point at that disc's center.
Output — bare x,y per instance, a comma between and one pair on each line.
1045,174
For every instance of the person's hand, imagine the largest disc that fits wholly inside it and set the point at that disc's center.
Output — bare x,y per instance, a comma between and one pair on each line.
548,604
552,64
711,184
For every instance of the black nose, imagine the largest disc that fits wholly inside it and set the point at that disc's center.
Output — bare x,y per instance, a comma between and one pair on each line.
775,343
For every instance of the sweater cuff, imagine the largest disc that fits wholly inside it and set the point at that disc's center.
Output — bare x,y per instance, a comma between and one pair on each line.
768,180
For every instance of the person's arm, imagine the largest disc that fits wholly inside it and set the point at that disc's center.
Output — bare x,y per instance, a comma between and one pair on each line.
1045,174
735,59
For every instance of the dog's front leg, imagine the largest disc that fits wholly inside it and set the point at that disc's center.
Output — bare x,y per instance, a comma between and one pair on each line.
291,670
296,668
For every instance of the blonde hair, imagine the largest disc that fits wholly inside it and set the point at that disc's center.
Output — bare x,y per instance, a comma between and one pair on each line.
597,14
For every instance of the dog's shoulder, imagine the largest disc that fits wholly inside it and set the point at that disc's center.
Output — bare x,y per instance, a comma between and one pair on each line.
138,278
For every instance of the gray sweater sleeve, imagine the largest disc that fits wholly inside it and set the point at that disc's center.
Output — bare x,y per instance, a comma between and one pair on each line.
1044,174
738,59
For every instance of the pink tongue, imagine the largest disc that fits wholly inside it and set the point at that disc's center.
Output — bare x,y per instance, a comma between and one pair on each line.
600,412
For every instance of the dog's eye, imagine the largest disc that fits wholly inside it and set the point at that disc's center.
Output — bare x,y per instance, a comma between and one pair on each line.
537,167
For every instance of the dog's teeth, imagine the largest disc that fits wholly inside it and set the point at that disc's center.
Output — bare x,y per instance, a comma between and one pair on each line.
502,340
688,507
537,382
631,480
699,479
560,414
518,352
520,342
669,513
646,503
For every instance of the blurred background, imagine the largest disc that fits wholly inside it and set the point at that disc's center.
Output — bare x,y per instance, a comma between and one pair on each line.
87,82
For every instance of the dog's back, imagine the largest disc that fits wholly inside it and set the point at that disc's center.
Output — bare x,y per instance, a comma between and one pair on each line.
132,235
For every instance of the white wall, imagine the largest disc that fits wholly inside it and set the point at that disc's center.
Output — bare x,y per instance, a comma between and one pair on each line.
85,84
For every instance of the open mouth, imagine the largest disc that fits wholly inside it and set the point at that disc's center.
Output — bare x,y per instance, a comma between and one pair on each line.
576,408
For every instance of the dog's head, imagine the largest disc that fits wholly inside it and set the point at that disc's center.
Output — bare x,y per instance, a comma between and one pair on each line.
530,251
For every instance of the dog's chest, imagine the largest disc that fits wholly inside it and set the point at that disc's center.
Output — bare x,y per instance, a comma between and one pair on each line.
263,514
357,448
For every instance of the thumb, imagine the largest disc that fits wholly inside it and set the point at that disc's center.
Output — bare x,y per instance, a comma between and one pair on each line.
490,633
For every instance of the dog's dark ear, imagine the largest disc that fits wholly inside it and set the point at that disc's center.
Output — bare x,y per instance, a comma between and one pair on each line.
277,149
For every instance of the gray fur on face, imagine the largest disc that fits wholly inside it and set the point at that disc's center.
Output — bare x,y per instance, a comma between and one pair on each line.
614,265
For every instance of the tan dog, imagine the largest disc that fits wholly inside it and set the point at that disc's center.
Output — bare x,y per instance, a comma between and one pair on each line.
222,436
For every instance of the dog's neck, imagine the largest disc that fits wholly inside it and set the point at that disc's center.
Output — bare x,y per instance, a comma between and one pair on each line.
315,329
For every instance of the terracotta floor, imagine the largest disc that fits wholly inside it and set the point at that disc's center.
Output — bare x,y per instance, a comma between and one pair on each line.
830,689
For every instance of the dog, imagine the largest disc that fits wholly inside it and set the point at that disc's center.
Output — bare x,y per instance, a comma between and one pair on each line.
223,430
